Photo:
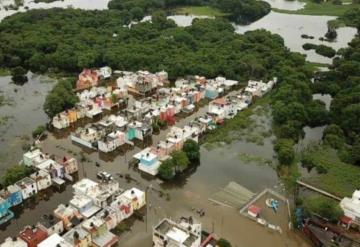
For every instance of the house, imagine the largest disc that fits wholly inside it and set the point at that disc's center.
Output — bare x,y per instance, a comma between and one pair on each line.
105,193
68,215
88,136
78,237
87,78
84,205
33,157
27,186
12,194
137,198
255,88
110,216
112,141
56,171
123,207
51,224
138,130
14,242
105,72
85,186
61,121
42,179
5,213
33,236
184,233
254,211
149,161
70,165
100,235
54,241
351,207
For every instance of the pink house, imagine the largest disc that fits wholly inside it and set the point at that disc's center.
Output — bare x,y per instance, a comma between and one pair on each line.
88,78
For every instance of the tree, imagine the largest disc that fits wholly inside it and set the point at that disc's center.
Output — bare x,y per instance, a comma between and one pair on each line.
285,151
317,113
15,173
334,136
60,98
39,131
192,150
180,160
19,75
327,208
223,243
166,169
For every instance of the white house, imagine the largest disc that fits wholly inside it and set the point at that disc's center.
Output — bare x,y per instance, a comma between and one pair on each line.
51,224
137,198
33,157
105,72
112,141
123,207
70,165
182,234
14,242
351,206
54,240
42,178
27,186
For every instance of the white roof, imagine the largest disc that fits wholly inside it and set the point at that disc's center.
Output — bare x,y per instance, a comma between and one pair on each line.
10,243
177,234
46,164
53,241
85,185
141,153
138,193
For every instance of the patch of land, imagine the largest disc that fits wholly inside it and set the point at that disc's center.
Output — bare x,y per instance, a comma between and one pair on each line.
200,11
336,176
325,8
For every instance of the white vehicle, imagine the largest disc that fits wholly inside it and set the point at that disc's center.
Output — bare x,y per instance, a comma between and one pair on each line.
104,176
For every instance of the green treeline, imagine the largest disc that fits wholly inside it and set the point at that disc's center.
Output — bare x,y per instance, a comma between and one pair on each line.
343,83
239,11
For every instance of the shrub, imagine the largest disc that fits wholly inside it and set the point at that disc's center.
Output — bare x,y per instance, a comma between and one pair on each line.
192,150
166,169
38,131
223,243
285,151
325,51
309,46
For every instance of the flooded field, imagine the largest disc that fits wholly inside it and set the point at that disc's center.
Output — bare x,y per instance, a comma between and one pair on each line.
20,114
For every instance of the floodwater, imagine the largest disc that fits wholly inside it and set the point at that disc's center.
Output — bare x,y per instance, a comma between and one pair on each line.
30,4
191,191
290,27
285,4
21,115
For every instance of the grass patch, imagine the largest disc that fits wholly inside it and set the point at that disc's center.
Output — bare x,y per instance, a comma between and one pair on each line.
4,72
200,11
248,158
326,8
315,66
338,177
241,127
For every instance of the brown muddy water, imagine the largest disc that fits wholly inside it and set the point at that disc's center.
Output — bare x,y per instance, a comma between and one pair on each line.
218,166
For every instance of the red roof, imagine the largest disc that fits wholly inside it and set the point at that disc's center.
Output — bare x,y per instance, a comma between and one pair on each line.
219,101
33,236
346,220
254,209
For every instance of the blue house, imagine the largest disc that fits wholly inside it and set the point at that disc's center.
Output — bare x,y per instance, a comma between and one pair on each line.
5,213
12,194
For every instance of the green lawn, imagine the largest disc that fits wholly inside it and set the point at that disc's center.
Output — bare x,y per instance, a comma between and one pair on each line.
4,72
326,8
199,10
341,178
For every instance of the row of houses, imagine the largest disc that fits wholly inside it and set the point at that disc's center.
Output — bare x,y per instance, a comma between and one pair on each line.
219,110
48,172
87,220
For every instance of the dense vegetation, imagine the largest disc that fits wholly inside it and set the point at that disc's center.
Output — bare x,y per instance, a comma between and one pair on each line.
68,40
239,11
15,173
323,50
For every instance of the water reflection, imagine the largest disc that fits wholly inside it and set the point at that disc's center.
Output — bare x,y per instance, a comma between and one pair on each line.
326,98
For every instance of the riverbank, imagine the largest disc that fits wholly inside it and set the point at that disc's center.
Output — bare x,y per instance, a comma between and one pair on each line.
326,8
